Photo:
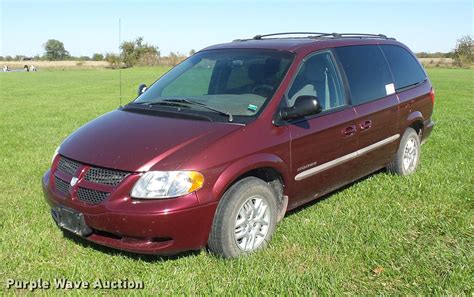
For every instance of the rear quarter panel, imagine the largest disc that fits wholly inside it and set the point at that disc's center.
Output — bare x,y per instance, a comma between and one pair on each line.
415,105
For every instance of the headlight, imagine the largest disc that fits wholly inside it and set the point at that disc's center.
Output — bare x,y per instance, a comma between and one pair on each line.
55,154
167,184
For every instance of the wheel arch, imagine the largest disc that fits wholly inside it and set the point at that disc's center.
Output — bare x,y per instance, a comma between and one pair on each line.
415,120
267,167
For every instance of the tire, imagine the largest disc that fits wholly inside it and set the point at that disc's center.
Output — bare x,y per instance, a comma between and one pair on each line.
237,230
407,157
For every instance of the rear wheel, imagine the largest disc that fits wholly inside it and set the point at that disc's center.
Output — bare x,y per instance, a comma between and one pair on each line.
245,219
407,158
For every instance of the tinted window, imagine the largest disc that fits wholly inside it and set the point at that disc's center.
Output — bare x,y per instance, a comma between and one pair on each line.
318,77
405,69
367,72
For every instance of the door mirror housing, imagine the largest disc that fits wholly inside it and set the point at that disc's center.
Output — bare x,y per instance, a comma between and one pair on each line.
305,105
141,89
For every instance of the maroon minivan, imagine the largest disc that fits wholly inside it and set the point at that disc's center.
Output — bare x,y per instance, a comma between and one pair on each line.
218,149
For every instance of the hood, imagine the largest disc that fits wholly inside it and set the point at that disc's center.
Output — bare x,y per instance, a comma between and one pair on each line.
136,142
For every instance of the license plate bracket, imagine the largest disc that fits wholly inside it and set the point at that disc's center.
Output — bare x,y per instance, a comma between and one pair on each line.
70,220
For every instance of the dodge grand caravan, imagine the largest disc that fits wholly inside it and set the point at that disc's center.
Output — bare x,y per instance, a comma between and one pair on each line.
220,147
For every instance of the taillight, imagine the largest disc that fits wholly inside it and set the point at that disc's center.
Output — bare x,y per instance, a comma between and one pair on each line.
432,95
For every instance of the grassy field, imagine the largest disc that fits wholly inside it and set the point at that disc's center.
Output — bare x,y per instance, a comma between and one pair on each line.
382,235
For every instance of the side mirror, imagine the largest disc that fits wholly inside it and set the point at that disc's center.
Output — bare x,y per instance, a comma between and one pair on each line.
141,89
304,106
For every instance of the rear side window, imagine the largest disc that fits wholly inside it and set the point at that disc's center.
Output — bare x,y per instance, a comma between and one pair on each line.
367,72
405,69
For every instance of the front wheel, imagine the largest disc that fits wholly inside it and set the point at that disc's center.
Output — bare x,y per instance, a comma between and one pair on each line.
245,219
407,158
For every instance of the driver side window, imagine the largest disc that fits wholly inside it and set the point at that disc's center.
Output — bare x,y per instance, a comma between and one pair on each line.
318,77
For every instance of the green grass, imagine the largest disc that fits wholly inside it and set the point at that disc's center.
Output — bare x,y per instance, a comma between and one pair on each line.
418,229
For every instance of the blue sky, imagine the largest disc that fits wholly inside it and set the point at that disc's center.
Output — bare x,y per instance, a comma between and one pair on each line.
86,27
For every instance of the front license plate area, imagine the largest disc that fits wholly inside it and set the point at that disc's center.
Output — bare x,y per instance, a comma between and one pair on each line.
70,220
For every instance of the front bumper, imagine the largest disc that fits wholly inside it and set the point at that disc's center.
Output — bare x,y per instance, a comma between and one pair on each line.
148,227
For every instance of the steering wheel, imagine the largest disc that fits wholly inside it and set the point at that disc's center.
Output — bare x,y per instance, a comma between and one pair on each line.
262,90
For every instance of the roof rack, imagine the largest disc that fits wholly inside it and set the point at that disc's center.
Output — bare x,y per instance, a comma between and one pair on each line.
361,35
330,35
258,37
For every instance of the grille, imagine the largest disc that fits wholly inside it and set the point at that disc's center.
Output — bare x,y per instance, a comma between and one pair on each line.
67,166
61,185
94,174
105,176
91,196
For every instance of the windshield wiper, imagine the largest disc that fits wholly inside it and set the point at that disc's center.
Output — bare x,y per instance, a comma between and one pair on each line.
411,85
192,102
162,102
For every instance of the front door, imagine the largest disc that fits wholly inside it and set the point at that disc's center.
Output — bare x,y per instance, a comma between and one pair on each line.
322,145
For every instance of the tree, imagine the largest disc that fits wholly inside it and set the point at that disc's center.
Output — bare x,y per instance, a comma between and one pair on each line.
54,50
112,59
173,57
129,53
433,55
136,52
97,57
192,52
450,55
463,53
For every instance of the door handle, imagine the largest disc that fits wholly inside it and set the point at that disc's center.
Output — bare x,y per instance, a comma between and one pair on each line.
365,125
349,131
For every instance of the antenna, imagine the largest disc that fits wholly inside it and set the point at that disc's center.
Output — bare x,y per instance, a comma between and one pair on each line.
120,61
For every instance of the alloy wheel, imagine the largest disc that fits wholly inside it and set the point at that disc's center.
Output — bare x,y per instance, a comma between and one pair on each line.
410,155
252,223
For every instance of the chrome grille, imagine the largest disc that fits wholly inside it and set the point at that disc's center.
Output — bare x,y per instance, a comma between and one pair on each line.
67,166
105,176
108,177
61,186
91,196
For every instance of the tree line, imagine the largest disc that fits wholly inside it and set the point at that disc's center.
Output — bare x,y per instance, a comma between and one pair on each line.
54,50
139,53
132,53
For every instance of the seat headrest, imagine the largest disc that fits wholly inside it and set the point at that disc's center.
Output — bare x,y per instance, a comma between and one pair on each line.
314,69
256,72
272,66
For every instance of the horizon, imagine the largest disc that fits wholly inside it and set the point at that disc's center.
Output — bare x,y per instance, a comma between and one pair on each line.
88,27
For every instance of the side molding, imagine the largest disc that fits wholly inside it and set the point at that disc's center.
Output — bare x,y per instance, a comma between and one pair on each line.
345,158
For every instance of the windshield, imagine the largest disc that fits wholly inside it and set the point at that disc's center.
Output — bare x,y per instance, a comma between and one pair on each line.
237,82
